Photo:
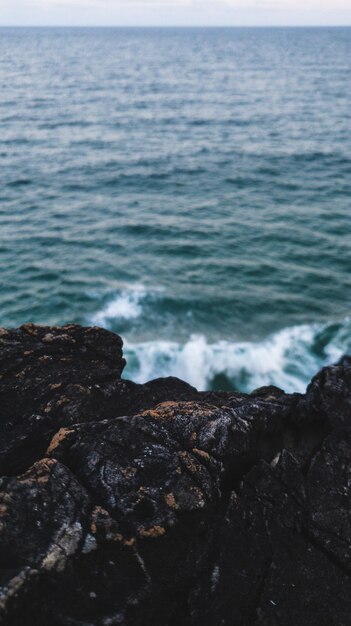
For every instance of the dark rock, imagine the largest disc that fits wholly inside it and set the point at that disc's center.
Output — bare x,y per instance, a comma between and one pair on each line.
345,360
157,505
46,378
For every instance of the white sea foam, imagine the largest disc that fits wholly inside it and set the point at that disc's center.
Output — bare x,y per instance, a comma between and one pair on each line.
287,358
127,304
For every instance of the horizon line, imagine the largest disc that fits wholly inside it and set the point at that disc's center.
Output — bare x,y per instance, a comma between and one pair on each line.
222,26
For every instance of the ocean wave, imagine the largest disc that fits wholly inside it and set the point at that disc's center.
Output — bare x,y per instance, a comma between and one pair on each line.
127,304
287,359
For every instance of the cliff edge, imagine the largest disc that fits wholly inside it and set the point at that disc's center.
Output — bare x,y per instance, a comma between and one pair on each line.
158,505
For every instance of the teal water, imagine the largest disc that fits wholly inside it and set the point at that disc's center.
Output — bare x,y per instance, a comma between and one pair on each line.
189,189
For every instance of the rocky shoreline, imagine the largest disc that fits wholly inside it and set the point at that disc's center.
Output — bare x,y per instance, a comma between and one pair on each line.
160,505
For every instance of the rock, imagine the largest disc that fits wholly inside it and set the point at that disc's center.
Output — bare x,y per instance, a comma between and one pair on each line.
47,376
157,504
345,361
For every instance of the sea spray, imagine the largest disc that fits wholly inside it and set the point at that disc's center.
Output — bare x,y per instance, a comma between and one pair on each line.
287,358
127,304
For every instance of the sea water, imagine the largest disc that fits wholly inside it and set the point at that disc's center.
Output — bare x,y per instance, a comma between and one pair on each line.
189,189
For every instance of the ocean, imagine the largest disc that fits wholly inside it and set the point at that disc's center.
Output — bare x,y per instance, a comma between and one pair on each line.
189,189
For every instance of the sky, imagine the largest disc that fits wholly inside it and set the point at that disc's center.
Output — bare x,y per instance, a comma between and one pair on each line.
175,12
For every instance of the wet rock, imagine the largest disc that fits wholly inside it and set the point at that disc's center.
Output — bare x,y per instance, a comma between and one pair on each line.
157,504
345,361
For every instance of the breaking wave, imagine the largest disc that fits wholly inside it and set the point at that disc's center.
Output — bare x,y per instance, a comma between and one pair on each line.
287,359
126,305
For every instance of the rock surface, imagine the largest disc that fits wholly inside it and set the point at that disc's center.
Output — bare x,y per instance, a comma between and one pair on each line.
159,505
